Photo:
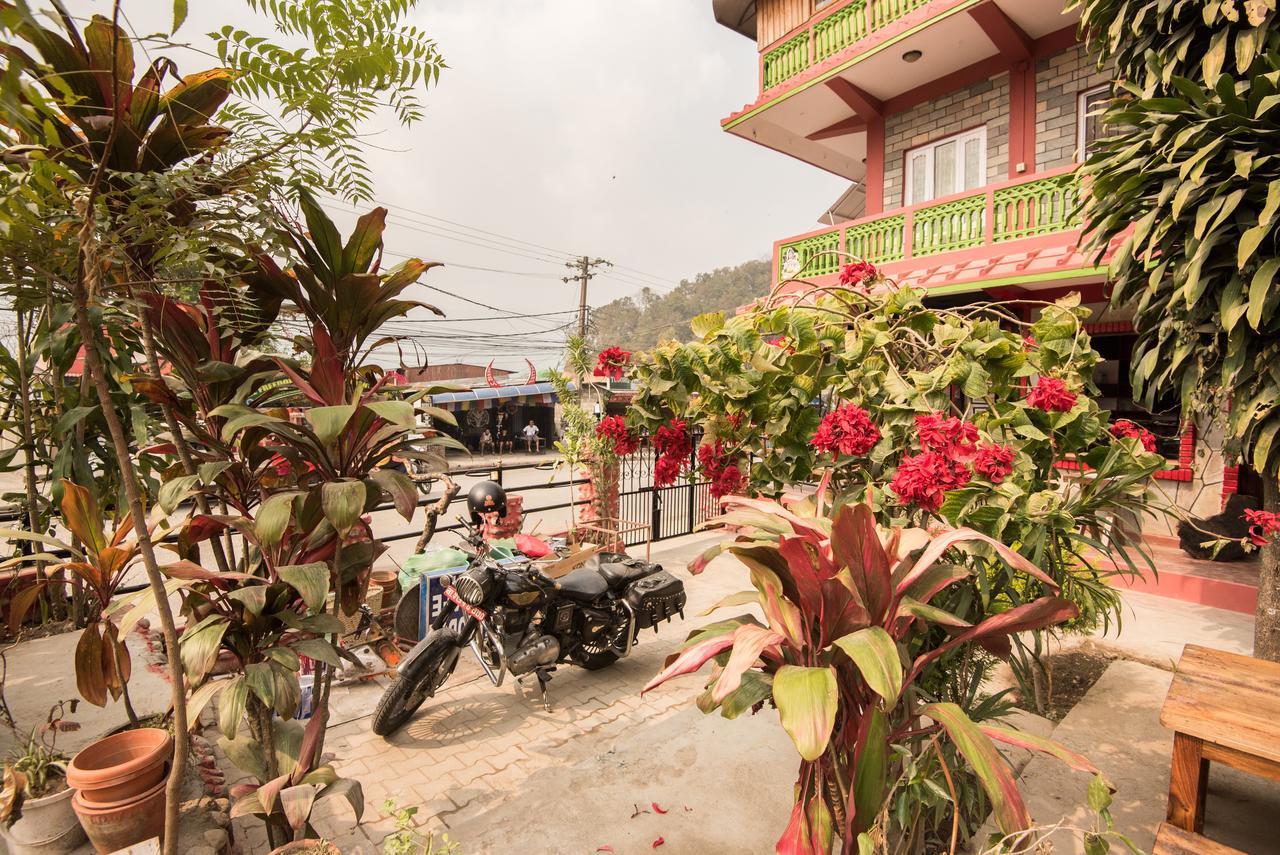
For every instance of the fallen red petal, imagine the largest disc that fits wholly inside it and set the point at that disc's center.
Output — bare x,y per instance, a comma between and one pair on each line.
655,807
658,842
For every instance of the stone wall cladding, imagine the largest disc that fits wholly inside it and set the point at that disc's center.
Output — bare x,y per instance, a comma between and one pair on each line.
1060,81
985,103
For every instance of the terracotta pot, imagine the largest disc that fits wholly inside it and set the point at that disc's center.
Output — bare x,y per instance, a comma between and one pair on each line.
121,766
116,825
308,846
388,581
48,827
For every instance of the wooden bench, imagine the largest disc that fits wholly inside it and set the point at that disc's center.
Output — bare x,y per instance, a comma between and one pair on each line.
1222,708
1174,841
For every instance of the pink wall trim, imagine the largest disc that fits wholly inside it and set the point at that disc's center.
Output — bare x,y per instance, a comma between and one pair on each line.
1218,593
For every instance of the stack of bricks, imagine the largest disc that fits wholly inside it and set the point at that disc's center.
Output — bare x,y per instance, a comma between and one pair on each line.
509,524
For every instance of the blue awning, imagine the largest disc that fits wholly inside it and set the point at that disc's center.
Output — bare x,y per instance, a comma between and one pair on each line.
488,393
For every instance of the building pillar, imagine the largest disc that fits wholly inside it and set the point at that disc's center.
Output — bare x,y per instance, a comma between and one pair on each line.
874,182
1022,118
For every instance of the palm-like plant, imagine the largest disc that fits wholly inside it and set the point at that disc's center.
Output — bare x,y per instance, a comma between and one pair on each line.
849,628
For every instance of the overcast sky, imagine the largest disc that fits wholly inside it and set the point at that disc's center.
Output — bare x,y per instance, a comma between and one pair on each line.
583,126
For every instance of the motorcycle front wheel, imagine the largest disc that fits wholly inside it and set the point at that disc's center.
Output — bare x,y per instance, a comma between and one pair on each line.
403,697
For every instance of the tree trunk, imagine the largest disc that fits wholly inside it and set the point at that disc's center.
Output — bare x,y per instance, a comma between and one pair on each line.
1266,627
90,270
30,482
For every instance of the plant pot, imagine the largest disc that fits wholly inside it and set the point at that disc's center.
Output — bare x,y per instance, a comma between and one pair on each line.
120,767
116,825
48,827
388,581
309,846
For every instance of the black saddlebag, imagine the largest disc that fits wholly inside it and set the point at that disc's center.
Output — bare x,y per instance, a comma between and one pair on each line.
656,598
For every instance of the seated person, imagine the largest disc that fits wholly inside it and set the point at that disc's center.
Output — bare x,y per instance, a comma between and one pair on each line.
531,439
486,441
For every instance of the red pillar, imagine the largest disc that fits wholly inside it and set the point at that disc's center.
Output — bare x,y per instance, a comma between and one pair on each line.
1022,118
875,167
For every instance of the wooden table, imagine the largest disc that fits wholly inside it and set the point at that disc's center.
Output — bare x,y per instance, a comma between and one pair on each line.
1224,708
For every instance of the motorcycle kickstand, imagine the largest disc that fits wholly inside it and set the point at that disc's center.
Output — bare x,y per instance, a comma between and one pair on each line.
544,677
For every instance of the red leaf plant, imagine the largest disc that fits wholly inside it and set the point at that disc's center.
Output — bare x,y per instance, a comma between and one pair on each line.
848,629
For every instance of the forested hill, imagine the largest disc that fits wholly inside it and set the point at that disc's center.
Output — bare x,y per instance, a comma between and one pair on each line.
637,323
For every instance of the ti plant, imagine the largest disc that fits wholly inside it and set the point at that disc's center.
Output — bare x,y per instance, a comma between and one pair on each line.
296,493
849,627
100,561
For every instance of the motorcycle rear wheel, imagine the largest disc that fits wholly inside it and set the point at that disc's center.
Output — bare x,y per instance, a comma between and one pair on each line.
403,697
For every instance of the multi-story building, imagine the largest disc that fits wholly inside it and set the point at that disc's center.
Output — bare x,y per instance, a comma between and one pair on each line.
959,125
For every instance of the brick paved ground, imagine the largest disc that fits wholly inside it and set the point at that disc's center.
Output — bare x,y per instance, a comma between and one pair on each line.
474,744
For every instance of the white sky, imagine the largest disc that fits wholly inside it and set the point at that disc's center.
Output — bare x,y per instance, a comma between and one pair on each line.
586,126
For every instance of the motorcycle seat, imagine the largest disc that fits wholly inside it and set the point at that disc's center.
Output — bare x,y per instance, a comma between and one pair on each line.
583,584
617,573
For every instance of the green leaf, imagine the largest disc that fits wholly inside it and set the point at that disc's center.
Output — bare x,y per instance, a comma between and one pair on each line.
1099,794
257,676
200,699
343,502
876,656
754,689
310,580
245,753
706,324
1260,289
318,649
200,645
273,517
349,789
992,771
807,700
254,597
871,764
399,413
231,705
328,422
401,489
179,14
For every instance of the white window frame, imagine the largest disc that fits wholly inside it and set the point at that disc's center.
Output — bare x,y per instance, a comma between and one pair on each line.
1082,118
979,133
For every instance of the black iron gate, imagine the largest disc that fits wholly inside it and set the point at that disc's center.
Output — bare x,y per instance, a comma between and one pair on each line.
670,511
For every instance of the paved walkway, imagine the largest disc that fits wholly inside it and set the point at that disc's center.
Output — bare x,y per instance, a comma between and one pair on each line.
475,746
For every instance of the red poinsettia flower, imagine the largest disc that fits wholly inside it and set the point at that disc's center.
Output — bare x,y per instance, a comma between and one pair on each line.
951,436
1051,395
993,462
723,473
613,429
672,440
1264,526
859,273
1125,429
925,479
612,362
666,470
846,430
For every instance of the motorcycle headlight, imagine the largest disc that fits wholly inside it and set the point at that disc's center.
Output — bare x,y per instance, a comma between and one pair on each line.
473,585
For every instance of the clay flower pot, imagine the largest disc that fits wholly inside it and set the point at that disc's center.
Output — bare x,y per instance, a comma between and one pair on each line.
388,581
113,826
307,846
48,827
121,766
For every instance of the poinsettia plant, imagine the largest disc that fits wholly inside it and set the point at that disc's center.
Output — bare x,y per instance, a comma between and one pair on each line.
851,624
966,417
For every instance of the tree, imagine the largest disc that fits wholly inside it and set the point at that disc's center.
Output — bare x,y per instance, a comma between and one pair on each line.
1192,168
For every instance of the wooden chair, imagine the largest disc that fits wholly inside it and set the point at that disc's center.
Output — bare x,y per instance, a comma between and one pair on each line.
1172,840
1222,708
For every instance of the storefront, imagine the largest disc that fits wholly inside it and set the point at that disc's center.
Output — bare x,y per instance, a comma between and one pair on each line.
500,410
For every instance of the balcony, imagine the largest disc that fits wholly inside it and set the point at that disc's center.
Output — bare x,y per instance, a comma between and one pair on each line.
828,33
1020,231
836,74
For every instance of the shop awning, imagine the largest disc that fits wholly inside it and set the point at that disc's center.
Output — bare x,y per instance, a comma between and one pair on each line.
539,393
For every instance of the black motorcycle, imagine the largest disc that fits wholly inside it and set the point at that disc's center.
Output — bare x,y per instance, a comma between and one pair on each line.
520,622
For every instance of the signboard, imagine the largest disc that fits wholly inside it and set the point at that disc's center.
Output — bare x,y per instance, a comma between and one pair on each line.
431,600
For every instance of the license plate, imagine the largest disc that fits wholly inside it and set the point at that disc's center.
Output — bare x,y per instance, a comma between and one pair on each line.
452,595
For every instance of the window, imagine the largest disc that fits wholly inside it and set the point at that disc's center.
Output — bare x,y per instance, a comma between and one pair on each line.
1091,129
950,165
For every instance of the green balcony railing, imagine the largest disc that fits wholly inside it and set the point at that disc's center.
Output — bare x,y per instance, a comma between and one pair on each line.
1041,205
830,32
878,241
950,226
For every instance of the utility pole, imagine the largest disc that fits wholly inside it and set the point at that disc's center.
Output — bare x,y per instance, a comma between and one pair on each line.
584,265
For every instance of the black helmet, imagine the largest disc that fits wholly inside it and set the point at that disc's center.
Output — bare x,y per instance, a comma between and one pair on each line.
487,497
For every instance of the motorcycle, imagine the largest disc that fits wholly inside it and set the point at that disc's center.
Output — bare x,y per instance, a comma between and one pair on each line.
519,621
